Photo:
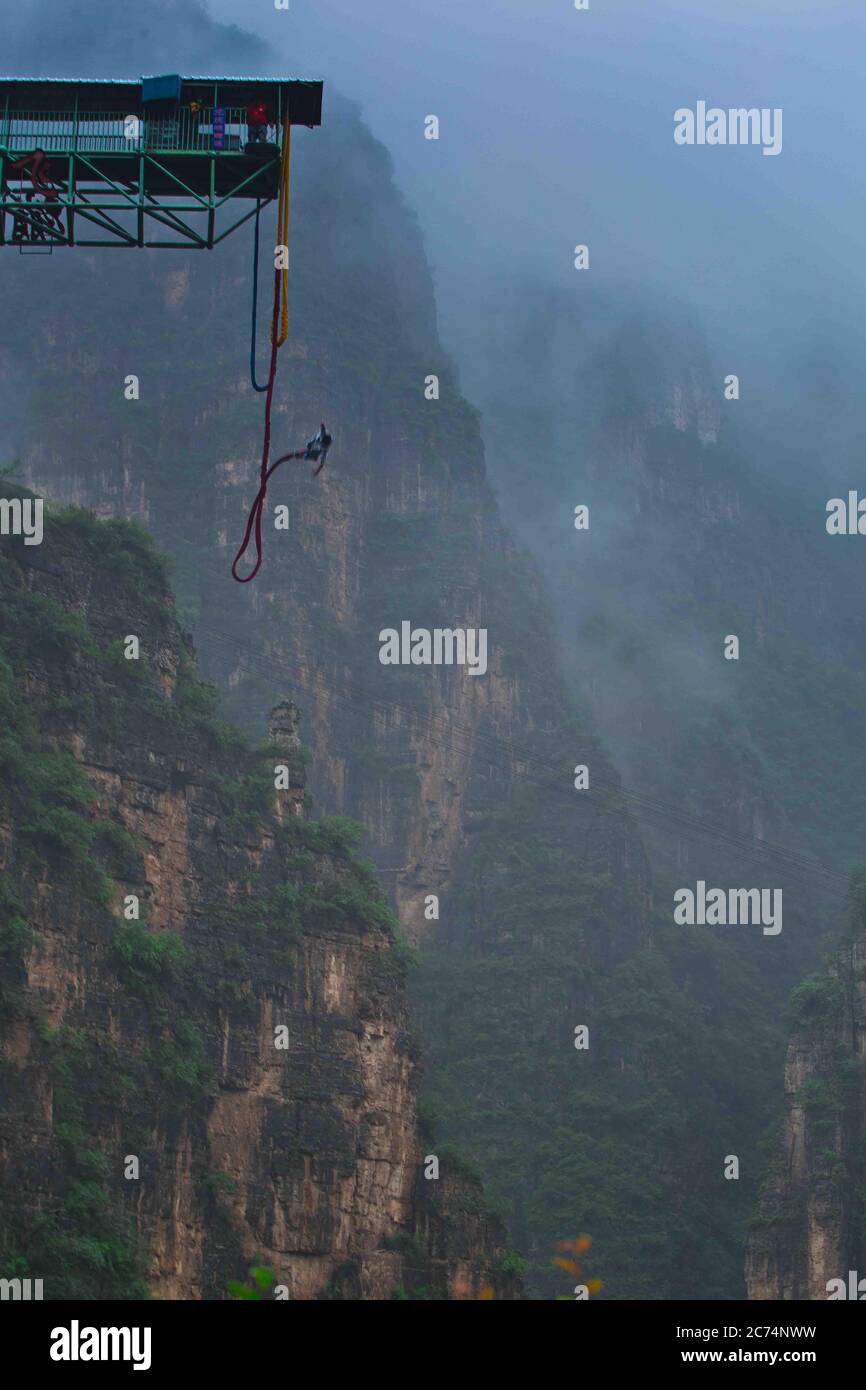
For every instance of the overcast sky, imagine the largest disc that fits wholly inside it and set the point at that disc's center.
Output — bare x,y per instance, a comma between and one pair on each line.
556,128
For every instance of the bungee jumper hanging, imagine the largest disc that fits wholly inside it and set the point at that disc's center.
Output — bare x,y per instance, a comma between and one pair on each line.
316,449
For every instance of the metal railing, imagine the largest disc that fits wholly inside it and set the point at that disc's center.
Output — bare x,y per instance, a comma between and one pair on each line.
117,132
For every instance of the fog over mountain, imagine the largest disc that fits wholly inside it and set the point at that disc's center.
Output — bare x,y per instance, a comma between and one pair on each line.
557,129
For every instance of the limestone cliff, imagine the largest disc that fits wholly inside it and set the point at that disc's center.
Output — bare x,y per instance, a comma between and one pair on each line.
401,525
810,1230
206,1063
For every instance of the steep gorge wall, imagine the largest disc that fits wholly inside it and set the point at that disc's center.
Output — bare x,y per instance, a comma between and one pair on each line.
690,539
400,525
809,1232
154,1038
738,773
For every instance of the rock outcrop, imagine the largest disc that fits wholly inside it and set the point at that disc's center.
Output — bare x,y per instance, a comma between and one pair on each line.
207,1063
809,1233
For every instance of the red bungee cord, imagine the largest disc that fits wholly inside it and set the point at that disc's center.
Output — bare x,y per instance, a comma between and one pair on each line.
315,450
255,516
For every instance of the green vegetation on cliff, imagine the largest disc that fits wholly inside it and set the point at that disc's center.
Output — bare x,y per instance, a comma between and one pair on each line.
121,1060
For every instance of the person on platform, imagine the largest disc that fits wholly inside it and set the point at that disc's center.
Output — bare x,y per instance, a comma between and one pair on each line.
257,122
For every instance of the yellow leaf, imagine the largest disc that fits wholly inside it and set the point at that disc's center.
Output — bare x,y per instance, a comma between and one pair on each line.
576,1246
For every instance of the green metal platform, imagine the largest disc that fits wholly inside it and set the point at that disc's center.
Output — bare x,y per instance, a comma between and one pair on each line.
156,162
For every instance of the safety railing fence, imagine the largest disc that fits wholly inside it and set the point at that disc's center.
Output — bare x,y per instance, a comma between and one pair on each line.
224,129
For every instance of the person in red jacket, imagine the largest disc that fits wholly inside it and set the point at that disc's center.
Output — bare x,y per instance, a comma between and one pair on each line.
257,121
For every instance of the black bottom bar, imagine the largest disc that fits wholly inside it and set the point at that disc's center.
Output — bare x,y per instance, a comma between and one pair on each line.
234,1340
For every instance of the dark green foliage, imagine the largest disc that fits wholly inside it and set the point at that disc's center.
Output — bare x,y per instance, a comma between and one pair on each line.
815,1001
262,1280
219,1182
179,1063
148,962
83,1245
453,1161
857,902
195,702
16,938
624,1141
343,1284
429,1117
246,799
122,547
332,835
405,1243
355,894
117,850
511,1265
42,787
390,968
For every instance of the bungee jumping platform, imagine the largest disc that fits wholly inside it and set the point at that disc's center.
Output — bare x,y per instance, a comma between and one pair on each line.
156,162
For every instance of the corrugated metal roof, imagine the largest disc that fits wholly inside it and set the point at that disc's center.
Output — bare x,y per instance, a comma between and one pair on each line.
134,81
240,79
303,95
102,81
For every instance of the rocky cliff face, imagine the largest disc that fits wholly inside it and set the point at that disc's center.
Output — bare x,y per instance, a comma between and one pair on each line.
207,1062
401,525
810,1231
740,772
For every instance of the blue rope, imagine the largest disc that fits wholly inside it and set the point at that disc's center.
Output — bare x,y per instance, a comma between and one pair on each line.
256,386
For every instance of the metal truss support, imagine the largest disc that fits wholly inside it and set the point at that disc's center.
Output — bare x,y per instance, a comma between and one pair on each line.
130,197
